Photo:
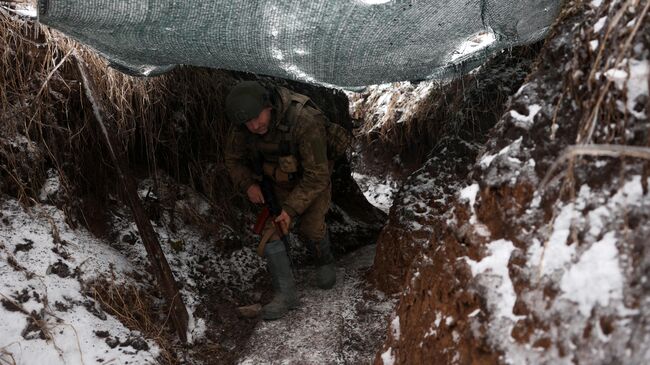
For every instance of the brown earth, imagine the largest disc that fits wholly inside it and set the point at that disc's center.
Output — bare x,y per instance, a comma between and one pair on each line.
437,313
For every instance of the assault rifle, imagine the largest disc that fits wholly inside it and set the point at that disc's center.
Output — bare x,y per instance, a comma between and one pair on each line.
271,210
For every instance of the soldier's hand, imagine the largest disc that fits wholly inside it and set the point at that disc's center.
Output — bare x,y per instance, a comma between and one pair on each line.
255,194
285,221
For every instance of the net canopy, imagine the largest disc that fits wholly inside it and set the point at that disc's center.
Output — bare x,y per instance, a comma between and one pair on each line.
327,42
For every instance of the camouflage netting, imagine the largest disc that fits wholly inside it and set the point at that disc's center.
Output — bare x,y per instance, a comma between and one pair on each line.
335,42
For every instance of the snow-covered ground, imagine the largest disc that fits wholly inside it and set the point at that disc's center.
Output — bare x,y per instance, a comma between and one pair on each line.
47,314
344,325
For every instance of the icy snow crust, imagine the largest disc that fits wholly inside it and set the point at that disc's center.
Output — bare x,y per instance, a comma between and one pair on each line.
329,42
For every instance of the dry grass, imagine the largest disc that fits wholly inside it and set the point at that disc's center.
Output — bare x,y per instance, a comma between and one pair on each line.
467,106
134,308
171,123
603,129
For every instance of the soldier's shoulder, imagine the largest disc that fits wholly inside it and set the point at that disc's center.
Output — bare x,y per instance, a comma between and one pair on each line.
309,118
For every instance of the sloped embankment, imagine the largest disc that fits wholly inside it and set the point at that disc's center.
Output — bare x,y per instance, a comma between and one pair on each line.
515,268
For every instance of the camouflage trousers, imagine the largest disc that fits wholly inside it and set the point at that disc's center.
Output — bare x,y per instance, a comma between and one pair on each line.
310,225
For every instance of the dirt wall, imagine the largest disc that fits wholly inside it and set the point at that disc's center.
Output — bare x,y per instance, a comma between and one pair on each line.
522,263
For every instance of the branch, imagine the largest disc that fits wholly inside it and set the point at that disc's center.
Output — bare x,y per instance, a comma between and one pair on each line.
609,150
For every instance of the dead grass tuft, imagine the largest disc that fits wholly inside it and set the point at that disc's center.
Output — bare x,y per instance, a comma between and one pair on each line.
136,310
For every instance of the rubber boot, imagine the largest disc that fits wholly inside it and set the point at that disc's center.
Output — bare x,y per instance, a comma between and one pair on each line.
325,268
284,287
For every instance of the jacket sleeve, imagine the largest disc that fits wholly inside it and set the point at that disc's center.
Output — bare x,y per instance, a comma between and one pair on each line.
310,137
237,160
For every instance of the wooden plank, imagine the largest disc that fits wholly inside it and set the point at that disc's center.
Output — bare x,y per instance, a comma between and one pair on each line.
159,264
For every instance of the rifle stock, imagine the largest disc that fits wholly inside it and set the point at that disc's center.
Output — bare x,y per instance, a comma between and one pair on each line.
274,207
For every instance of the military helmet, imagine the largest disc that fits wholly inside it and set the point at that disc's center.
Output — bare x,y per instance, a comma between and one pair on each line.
245,101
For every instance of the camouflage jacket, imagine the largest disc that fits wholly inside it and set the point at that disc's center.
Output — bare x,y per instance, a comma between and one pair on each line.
308,140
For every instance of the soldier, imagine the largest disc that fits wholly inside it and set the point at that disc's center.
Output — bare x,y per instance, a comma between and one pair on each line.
286,133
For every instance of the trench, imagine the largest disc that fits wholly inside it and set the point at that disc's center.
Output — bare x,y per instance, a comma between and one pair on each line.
61,171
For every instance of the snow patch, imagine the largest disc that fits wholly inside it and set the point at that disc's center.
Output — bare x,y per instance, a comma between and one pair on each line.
637,85
387,357
525,121
438,319
634,83
47,285
593,45
501,297
469,194
379,193
599,24
599,264
556,254
486,160
394,326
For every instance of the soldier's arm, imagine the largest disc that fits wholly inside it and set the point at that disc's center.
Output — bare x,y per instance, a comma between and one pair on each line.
236,160
311,137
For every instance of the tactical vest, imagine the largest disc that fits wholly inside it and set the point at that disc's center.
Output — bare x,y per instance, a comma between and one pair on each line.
338,139
288,167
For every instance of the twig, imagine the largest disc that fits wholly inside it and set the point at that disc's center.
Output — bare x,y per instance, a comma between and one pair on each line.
49,76
4,352
609,150
591,122
16,305
76,334
557,109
